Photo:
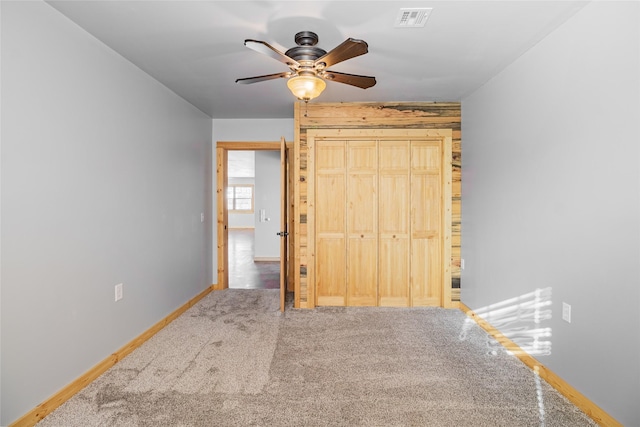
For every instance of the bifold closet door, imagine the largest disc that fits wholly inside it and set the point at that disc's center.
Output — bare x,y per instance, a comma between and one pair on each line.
378,220
362,223
426,219
394,235
330,195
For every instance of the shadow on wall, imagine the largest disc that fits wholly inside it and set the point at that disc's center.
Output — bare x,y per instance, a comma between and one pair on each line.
522,320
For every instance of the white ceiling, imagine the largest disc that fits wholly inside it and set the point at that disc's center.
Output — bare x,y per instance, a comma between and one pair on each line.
196,47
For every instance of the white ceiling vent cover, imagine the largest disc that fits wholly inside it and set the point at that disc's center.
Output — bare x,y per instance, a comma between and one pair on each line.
412,17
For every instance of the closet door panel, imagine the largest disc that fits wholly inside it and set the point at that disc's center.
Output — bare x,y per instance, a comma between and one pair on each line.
330,155
394,272
362,270
362,156
330,223
394,243
425,271
425,156
331,268
362,223
426,264
425,203
362,204
330,194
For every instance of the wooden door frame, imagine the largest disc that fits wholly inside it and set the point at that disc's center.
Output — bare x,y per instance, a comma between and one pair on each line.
445,136
222,149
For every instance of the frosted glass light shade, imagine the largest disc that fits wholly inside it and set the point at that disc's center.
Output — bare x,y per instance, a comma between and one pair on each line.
306,87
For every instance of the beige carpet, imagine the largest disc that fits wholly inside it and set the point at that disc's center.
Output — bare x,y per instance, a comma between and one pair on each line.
234,360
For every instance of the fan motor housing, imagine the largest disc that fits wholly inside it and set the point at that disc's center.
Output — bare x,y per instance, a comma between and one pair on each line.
306,49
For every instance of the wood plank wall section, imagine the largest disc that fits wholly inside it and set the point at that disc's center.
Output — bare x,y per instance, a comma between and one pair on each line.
405,115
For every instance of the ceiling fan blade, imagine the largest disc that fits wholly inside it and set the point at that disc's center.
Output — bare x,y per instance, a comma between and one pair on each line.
267,49
257,79
350,79
348,49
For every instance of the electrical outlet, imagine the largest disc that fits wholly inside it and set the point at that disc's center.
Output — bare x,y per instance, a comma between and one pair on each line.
566,312
202,217
118,291
462,264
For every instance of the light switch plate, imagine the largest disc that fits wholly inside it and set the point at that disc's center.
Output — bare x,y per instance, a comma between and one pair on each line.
119,291
566,312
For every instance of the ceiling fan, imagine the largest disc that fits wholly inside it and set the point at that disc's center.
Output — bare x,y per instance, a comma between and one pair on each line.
308,64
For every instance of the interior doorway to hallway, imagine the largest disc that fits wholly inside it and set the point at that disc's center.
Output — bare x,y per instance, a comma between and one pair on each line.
270,219
253,206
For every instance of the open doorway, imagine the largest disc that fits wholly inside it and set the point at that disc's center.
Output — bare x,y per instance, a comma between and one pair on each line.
253,207
286,187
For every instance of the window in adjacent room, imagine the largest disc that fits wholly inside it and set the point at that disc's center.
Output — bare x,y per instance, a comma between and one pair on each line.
240,198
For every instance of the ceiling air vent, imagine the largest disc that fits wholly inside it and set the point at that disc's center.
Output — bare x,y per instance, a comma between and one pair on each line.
412,18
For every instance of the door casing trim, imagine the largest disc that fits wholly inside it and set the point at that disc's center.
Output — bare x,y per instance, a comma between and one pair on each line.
222,216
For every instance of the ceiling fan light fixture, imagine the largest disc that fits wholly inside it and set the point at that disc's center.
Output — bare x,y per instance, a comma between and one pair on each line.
306,87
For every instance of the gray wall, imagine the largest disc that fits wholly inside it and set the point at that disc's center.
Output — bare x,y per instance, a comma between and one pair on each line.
267,242
105,174
550,164
243,130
